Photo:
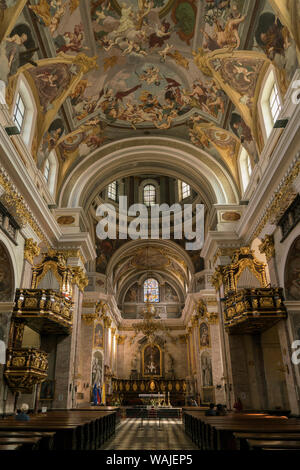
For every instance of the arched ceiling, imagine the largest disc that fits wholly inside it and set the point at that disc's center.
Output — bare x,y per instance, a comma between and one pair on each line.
104,71
140,258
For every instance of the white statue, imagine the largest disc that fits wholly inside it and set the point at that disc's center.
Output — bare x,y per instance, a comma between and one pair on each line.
134,362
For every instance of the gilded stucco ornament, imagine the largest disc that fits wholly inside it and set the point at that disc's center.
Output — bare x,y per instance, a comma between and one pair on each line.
79,277
31,250
16,203
267,247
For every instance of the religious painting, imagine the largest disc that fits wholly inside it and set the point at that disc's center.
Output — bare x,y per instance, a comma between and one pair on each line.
6,276
132,294
206,369
292,272
17,50
222,23
204,335
47,390
240,74
98,336
52,136
275,40
51,81
50,13
105,249
97,369
170,294
152,361
243,132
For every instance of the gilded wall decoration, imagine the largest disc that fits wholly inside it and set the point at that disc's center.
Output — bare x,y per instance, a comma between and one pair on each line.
152,361
6,276
292,272
98,336
204,335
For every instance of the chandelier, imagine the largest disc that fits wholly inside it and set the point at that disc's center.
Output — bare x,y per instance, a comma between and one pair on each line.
150,325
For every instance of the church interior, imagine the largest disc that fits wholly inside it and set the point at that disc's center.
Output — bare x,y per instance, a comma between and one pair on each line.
104,341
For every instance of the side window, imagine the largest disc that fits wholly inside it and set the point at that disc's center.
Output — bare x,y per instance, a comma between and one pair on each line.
245,168
19,112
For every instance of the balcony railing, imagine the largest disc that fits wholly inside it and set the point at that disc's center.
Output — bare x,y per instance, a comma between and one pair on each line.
253,310
44,310
25,368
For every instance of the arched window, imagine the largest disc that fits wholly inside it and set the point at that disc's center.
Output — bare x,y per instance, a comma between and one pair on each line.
149,195
274,103
24,111
270,103
151,290
19,112
112,190
50,171
185,190
245,168
47,169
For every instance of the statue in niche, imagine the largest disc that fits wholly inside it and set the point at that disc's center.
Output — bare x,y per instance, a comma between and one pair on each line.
206,370
204,336
170,363
134,363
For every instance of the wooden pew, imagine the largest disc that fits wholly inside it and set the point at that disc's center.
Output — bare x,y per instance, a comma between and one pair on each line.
273,445
100,427
10,447
217,432
242,437
25,443
73,430
46,438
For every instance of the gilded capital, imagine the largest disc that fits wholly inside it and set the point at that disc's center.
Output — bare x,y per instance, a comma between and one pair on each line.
31,250
212,317
89,318
267,247
107,322
121,339
79,277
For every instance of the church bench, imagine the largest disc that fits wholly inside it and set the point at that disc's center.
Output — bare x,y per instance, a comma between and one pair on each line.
100,409
65,437
255,444
25,443
101,425
242,437
222,435
216,432
46,442
6,447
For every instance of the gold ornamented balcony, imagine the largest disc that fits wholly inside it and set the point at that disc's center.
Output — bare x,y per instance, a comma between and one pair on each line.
44,310
25,368
250,311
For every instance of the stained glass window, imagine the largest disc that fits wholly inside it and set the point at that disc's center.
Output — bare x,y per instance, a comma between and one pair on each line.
151,290
149,195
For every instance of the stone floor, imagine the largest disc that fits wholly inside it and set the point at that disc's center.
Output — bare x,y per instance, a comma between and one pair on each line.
130,435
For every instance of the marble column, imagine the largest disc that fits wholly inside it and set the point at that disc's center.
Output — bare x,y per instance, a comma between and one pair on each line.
292,378
6,396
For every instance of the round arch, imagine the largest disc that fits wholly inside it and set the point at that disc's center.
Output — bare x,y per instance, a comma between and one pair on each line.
170,156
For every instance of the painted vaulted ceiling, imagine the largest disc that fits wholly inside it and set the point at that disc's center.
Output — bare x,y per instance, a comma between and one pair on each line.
104,70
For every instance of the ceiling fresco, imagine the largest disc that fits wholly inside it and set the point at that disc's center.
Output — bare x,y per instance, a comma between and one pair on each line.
141,258
162,67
